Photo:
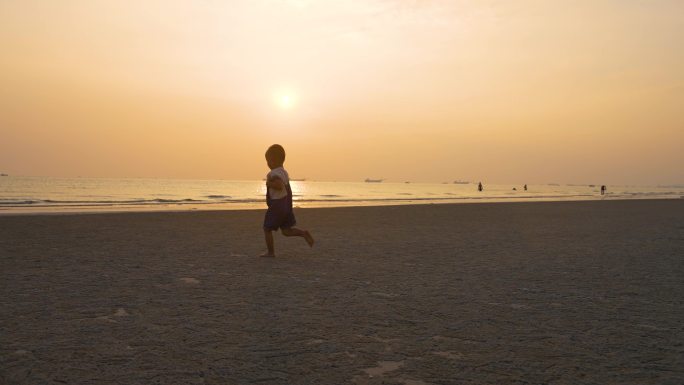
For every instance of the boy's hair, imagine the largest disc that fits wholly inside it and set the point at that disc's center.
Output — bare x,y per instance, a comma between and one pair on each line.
276,153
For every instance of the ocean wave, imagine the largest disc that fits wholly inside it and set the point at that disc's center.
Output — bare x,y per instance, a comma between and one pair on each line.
53,202
8,203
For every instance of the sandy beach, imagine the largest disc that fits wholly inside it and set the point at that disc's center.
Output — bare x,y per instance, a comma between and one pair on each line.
506,293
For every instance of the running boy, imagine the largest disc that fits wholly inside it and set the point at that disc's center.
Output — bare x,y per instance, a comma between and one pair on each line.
279,200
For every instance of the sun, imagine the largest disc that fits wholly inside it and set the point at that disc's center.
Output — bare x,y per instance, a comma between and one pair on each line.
286,99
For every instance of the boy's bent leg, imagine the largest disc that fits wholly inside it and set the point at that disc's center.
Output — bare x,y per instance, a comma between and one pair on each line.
268,235
295,232
292,232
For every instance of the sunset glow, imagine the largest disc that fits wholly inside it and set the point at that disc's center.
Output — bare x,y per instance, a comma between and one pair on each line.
504,91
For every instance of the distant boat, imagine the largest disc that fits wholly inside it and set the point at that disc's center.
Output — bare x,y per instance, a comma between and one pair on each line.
369,180
4,175
461,182
407,181
592,185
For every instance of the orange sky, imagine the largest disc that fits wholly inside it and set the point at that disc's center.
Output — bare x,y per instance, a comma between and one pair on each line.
500,91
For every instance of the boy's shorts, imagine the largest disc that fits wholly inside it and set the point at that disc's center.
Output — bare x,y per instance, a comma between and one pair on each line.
279,217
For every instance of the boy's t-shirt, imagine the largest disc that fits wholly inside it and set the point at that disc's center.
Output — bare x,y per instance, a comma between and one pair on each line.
280,173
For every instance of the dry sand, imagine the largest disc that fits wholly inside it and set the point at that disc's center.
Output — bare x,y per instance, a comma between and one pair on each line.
515,293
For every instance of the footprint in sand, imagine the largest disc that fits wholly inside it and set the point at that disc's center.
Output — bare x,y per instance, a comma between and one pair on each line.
189,280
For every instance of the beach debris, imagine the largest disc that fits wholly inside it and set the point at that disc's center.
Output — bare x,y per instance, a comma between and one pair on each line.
190,280
449,354
414,382
383,295
384,340
383,367
120,312
652,327
378,371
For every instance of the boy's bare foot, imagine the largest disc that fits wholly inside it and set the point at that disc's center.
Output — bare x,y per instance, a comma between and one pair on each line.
309,238
267,255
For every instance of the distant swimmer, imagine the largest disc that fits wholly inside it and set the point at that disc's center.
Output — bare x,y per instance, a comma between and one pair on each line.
603,189
525,187
479,186
515,189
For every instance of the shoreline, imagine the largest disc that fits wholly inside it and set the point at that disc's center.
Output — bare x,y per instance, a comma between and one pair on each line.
85,195
202,208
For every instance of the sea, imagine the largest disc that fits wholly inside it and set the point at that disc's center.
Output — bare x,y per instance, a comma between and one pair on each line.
19,194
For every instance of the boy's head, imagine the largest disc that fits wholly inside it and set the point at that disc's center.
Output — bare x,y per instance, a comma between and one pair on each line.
275,156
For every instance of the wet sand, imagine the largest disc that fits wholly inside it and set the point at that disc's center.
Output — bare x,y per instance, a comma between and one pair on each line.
506,293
